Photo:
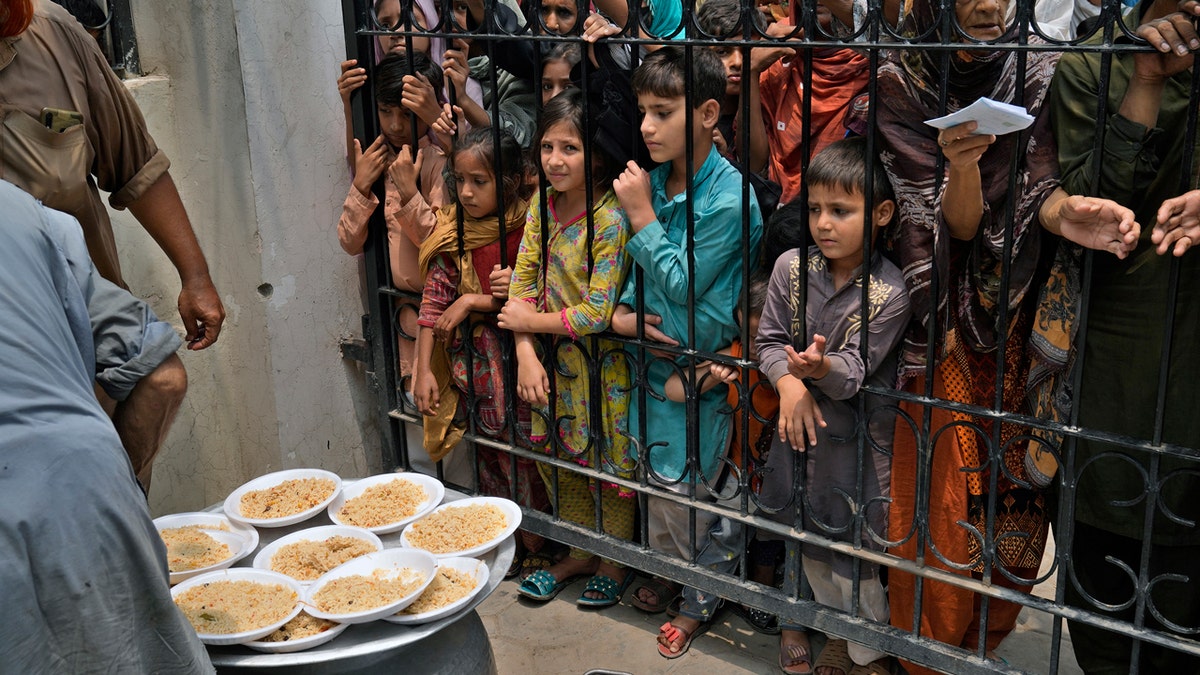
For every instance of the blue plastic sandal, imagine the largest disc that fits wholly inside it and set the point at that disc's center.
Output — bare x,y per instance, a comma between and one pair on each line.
607,586
542,586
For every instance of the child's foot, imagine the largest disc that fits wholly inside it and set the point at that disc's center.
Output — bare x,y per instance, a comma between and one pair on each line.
654,595
544,585
675,637
795,652
573,567
604,589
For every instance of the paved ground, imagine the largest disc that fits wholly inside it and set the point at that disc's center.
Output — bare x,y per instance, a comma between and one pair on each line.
559,638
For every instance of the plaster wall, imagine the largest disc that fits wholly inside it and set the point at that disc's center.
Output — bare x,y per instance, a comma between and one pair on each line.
241,97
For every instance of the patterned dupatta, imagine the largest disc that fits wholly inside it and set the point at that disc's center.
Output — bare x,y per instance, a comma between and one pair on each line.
440,433
969,291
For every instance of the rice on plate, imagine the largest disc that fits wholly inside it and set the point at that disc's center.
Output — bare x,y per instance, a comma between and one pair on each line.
467,527
306,560
371,587
449,585
237,605
283,498
360,592
387,502
190,547
457,582
203,542
303,632
286,499
303,626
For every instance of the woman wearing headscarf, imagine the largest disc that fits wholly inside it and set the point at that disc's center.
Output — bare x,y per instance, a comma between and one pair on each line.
991,286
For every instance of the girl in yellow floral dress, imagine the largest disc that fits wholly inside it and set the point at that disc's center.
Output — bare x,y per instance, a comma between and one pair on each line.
568,276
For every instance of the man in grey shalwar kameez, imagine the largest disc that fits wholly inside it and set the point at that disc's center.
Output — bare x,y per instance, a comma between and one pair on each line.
83,573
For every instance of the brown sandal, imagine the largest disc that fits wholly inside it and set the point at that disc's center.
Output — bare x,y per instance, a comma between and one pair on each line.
664,592
796,659
835,655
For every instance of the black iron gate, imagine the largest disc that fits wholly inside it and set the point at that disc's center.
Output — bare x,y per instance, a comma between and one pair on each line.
1161,460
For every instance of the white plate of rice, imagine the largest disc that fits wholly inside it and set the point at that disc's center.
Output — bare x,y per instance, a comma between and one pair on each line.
386,503
303,632
465,528
232,606
283,498
203,542
457,581
307,554
370,587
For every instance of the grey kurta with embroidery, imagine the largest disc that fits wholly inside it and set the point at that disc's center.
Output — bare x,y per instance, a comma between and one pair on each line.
83,573
830,478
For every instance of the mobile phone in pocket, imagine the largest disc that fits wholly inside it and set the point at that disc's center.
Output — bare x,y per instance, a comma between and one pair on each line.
59,120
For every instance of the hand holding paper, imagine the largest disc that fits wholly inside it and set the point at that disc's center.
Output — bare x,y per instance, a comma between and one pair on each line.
992,117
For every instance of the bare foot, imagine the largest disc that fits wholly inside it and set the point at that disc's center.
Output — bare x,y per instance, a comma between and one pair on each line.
675,640
649,597
570,567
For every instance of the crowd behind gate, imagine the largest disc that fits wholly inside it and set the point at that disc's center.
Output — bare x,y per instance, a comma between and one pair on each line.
700,278
715,256
724,252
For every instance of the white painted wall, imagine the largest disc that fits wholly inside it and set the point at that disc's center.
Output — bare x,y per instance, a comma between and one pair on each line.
242,97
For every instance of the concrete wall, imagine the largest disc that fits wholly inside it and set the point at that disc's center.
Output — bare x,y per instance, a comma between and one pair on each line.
241,95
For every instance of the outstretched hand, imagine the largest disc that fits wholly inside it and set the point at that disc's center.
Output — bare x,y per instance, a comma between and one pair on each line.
1178,226
810,362
1099,224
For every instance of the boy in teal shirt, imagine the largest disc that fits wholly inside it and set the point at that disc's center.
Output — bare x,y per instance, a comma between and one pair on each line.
656,203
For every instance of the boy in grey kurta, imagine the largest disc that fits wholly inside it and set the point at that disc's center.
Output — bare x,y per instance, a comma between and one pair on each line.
820,383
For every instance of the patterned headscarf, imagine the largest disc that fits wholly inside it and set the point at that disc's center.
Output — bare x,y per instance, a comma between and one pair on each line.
909,91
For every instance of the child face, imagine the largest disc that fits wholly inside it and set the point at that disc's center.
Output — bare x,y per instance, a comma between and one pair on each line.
556,76
835,219
559,15
664,126
475,183
388,13
731,56
396,126
563,157
459,10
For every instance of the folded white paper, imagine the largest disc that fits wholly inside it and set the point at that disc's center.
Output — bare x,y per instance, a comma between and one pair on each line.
993,117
